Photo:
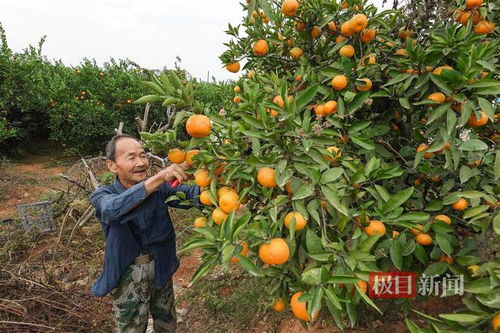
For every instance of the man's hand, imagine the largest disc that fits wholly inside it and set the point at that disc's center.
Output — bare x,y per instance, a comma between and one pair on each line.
175,171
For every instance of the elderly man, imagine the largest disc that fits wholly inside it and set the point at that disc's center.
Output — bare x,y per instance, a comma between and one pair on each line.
140,255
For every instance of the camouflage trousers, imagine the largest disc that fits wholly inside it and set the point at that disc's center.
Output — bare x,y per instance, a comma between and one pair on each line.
136,297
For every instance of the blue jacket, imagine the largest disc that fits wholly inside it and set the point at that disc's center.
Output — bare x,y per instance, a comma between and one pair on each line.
133,222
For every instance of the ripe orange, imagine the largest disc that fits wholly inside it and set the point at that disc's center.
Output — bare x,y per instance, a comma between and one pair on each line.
367,35
176,156
201,178
335,151
437,97
218,216
315,32
330,107
266,177
345,5
189,156
205,198
345,28
436,178
367,60
289,7
299,309
298,78
470,4
395,234
484,27
300,221
260,48
363,286
463,17
347,51
229,201
339,82
417,181
223,190
237,89
339,39
236,99
423,239
418,229
299,25
296,53
275,252
233,67
445,258
443,218
460,204
288,187
358,22
375,227
475,122
401,52
438,70
495,322
198,126
319,110
279,305
332,26
200,222
423,147
365,87
243,252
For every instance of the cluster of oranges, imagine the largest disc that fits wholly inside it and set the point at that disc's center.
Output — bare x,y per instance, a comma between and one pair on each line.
471,12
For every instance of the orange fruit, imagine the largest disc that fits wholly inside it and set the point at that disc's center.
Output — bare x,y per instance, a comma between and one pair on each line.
423,239
463,18
365,87
300,221
495,322
363,286
339,39
358,22
401,52
345,5
367,35
205,198
189,156
243,252
319,110
237,89
266,177
323,204
315,32
475,122
237,99
345,28
201,178
275,252
260,48
229,201
367,60
176,156
289,7
330,107
484,27
335,151
339,82
470,4
198,126
298,78
443,218
438,70
299,309
418,229
436,178
347,51
332,26
417,181
296,53
200,222
437,97
299,25
375,227
218,216
288,187
233,67
460,204
279,305
395,234
223,190
445,258
423,147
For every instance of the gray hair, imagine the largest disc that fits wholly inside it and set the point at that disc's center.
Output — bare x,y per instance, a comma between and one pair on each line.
111,146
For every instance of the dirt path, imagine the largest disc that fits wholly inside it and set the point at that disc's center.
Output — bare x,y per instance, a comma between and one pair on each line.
27,179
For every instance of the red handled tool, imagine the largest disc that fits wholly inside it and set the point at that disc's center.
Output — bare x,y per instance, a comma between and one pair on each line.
174,183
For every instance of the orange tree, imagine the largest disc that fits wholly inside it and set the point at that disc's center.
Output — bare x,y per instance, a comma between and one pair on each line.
359,141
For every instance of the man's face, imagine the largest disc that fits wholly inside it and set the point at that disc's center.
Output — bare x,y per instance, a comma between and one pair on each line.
131,162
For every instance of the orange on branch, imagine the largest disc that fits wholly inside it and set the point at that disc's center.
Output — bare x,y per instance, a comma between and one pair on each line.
474,121
339,82
484,27
189,156
279,305
205,198
347,51
200,222
290,7
299,309
218,216
261,47
471,4
443,218
176,156
198,126
460,205
201,178
300,221
368,35
266,177
423,147
274,252
233,67
366,86
423,239
358,22
243,252
330,107
229,201
375,227
296,53
315,32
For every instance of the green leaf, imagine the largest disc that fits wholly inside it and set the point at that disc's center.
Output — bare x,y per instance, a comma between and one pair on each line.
436,268
203,269
304,191
331,175
487,107
149,99
313,242
306,96
461,317
395,252
358,126
485,83
247,264
444,244
398,199
404,103
312,276
358,101
334,200
363,142
473,145
397,78
466,173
